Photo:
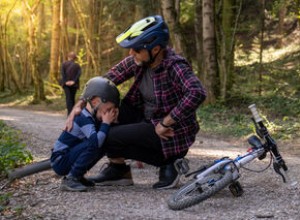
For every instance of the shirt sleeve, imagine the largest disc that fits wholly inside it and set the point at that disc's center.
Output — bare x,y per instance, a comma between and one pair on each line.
122,71
102,133
88,128
194,92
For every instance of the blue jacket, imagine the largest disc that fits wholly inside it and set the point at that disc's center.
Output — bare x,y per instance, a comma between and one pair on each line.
84,129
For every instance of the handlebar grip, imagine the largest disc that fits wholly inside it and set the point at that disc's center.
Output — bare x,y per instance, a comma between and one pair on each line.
255,114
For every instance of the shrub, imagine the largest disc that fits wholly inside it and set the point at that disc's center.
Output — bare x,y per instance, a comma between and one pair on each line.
12,151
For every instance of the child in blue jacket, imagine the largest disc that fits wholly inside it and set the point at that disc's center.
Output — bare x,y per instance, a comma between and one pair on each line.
77,151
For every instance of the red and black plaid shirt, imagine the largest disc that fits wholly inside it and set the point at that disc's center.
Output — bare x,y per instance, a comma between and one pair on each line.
177,90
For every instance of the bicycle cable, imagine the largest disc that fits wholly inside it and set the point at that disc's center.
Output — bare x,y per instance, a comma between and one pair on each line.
262,170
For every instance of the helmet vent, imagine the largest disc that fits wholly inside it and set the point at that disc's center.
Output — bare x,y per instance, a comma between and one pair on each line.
131,37
149,26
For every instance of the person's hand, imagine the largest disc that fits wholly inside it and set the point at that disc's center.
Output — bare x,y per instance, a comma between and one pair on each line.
70,83
69,123
163,132
109,116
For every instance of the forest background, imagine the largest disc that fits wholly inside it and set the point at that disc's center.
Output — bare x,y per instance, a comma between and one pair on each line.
244,52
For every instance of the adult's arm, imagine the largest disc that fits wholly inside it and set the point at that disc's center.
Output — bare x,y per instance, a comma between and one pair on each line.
123,71
75,111
194,95
193,90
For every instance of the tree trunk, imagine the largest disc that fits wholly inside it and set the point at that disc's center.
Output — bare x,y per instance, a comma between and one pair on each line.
14,75
261,39
64,21
4,60
23,62
3,68
226,39
55,41
209,51
146,8
87,38
198,37
280,31
39,94
95,29
171,13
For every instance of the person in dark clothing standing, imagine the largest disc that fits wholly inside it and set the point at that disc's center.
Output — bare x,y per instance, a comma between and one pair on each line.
70,73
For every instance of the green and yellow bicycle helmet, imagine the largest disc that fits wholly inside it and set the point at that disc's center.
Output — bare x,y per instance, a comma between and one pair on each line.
145,34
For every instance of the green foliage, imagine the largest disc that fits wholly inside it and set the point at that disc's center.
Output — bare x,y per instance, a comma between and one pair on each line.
80,57
219,119
233,118
276,93
12,151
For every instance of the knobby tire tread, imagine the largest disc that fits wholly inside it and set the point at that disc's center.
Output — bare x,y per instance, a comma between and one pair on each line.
175,203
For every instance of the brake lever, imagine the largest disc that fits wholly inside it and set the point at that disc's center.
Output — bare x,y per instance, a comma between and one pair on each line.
277,170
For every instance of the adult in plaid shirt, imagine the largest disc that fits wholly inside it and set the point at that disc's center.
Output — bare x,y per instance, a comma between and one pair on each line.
157,118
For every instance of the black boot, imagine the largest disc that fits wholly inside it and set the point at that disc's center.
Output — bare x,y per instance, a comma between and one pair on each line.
168,177
114,175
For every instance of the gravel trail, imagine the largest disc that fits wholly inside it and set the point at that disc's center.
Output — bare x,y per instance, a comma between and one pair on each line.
39,197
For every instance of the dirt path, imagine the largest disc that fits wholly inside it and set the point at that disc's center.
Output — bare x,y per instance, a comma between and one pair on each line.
40,198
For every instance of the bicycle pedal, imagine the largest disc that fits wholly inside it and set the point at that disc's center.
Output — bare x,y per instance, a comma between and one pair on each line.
182,166
236,189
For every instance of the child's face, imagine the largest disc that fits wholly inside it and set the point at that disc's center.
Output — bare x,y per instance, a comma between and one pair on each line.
104,108
106,112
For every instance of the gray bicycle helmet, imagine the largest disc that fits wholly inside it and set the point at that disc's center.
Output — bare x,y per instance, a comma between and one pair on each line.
103,88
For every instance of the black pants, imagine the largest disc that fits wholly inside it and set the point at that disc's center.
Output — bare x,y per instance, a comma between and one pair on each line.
135,138
70,93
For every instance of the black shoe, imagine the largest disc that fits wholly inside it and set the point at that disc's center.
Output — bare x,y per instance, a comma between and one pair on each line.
72,184
86,182
114,175
168,177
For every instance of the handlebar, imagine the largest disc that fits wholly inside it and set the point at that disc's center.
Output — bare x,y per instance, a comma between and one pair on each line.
270,145
255,114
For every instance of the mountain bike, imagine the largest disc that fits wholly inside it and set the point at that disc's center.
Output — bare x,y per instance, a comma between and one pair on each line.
210,179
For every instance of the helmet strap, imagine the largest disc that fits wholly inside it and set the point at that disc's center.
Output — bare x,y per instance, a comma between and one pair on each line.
151,57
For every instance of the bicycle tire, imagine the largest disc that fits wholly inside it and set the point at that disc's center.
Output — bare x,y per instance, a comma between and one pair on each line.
30,169
184,198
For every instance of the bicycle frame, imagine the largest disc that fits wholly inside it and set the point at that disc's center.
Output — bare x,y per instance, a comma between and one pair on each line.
232,165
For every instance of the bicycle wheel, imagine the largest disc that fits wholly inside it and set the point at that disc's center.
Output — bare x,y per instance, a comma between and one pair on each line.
194,192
